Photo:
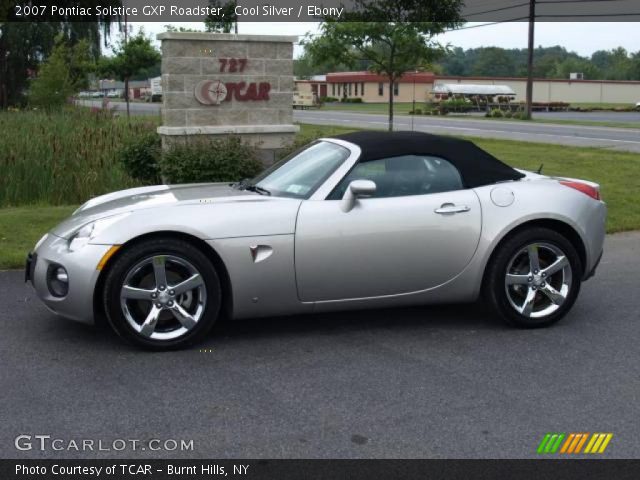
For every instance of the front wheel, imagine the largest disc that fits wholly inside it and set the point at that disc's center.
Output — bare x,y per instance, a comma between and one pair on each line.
534,278
162,294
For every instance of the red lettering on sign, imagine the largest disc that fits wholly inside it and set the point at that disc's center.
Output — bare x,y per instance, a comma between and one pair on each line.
255,91
263,91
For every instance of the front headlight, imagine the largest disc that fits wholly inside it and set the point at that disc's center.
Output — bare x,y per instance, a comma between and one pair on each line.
87,232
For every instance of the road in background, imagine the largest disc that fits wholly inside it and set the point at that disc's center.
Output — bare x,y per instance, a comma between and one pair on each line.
429,382
575,135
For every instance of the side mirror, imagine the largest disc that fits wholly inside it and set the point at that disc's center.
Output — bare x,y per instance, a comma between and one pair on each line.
356,189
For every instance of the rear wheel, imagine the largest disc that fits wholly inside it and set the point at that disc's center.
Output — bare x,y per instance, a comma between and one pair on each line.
534,278
162,294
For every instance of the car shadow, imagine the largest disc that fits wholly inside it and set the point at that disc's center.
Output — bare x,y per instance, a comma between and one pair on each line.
474,316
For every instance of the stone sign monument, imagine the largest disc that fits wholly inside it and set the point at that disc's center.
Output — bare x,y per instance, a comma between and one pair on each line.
220,84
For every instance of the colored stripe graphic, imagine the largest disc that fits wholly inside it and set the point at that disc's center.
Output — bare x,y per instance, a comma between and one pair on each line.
581,443
543,443
598,443
572,443
550,443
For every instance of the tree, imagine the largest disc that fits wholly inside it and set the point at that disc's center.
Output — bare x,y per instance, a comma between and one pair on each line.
64,73
306,66
129,59
224,22
493,62
391,48
173,28
25,45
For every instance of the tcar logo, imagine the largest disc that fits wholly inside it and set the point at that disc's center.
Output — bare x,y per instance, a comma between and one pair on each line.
568,443
210,92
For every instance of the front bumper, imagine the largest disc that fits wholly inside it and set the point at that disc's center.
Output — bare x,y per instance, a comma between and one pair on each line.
81,269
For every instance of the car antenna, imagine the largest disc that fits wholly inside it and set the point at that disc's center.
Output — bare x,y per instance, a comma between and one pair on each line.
540,168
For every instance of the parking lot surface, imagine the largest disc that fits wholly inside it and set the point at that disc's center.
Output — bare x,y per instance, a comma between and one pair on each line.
424,382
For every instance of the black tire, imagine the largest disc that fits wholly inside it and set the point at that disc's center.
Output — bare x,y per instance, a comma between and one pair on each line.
495,290
167,248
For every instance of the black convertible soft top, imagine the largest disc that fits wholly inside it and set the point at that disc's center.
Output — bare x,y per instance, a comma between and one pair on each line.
476,166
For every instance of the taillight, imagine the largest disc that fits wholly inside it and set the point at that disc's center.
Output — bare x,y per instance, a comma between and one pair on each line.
593,192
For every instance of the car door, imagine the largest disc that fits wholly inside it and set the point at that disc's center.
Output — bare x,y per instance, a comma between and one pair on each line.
419,230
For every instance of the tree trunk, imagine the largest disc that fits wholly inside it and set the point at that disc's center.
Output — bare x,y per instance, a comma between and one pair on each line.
126,95
391,83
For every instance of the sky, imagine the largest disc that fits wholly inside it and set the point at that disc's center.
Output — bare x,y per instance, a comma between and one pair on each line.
583,38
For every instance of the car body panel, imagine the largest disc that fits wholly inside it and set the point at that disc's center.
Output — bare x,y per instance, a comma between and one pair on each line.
156,199
261,286
384,246
83,276
289,256
210,219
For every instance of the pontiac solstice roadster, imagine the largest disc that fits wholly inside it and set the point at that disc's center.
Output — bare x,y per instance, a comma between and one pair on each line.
362,220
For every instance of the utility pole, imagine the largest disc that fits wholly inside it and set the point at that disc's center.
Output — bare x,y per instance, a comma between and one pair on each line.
532,21
126,80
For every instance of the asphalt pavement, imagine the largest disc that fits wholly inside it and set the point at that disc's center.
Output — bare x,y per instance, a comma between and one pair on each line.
423,382
626,139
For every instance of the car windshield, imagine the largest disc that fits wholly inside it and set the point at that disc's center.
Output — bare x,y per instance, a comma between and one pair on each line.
302,172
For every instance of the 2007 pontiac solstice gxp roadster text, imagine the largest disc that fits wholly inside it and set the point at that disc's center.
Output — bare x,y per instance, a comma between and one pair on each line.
361,220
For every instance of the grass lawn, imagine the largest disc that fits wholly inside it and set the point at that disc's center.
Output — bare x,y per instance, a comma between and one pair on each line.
22,227
398,107
617,172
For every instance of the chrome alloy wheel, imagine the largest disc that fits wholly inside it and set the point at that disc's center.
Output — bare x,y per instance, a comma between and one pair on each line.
538,280
163,297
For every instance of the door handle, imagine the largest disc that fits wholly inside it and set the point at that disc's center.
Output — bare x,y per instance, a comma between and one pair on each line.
449,208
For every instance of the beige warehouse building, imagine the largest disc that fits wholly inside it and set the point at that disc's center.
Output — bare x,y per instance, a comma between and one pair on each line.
372,88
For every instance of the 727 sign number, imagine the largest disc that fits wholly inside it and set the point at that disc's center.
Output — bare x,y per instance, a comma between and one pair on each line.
232,65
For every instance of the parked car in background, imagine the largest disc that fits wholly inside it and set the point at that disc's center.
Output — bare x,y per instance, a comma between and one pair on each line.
97,94
304,101
361,220
156,89
115,94
638,106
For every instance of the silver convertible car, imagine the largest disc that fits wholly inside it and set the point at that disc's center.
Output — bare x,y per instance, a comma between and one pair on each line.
362,220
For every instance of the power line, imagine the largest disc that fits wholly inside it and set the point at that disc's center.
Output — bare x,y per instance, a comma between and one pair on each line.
496,9
578,1
587,15
487,24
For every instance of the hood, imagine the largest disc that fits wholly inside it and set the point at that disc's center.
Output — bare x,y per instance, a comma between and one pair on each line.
150,197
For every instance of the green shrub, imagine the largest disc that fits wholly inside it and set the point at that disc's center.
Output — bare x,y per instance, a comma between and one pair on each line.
456,105
328,99
351,100
224,160
508,114
497,113
140,158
